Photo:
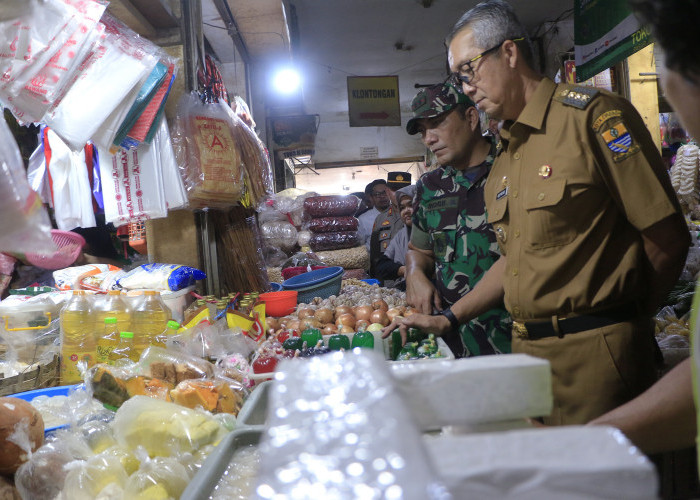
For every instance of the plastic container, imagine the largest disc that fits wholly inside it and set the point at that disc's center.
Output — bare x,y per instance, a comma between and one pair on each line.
278,304
61,390
290,272
254,411
78,339
204,482
320,283
69,246
178,301
149,318
275,287
113,305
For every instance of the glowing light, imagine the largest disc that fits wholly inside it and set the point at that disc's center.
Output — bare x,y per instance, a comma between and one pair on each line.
287,81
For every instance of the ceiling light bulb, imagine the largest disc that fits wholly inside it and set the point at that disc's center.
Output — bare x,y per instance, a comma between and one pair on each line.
287,81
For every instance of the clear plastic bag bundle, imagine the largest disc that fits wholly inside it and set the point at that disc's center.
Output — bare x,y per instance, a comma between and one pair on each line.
334,241
331,206
24,225
333,224
279,234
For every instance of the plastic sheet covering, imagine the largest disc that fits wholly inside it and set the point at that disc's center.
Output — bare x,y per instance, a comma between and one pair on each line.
331,206
338,431
565,463
24,225
491,388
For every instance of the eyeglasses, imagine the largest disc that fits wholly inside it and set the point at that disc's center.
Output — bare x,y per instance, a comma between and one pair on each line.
466,71
379,193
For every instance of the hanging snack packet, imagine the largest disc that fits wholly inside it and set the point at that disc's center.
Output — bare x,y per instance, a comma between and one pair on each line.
207,153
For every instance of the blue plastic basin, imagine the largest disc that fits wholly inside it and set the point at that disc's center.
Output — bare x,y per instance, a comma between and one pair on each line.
312,278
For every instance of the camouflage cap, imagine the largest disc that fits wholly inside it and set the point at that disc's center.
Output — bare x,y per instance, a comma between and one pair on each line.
433,101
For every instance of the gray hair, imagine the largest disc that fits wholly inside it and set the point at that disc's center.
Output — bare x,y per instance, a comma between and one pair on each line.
493,22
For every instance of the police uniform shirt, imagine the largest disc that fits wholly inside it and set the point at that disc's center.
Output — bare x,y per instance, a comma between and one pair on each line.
386,225
576,180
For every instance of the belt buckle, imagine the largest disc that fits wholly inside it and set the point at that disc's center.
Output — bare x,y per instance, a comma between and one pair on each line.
520,330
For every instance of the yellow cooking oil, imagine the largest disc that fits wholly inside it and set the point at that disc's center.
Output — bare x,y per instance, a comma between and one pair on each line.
78,339
113,305
149,319
108,340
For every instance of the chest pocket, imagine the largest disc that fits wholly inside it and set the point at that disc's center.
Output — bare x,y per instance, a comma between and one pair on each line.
548,222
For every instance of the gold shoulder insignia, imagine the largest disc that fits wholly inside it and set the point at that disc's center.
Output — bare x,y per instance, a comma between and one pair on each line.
578,97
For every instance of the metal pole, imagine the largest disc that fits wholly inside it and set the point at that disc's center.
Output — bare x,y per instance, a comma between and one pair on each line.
193,46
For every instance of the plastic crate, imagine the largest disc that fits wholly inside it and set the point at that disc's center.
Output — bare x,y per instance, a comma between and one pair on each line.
204,482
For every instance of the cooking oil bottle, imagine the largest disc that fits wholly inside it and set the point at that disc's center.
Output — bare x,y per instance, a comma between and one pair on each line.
161,340
149,319
78,341
113,305
125,351
108,340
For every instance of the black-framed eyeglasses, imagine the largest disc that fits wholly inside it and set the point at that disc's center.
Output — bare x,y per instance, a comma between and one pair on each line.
466,71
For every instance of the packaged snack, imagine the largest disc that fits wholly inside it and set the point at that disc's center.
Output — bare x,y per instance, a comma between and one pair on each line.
334,241
161,277
331,206
333,224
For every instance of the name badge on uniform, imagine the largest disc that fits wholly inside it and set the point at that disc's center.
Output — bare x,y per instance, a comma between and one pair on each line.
503,192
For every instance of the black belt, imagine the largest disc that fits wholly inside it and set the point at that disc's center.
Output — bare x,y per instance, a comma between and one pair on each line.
534,330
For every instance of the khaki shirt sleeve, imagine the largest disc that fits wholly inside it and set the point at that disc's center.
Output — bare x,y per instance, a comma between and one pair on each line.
631,166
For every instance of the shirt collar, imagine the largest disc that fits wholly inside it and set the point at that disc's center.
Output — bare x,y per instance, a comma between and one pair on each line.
535,110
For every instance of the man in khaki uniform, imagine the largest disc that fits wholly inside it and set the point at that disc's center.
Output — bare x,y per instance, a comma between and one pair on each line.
388,223
590,230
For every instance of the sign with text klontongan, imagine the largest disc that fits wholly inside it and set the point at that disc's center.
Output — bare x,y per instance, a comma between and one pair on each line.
373,101
605,33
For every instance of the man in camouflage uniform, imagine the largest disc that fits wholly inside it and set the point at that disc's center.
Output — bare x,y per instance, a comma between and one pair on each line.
450,233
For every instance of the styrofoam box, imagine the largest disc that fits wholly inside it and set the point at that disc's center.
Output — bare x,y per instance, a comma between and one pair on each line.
562,463
475,390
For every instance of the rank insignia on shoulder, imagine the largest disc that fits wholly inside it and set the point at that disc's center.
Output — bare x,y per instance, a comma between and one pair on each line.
578,97
385,223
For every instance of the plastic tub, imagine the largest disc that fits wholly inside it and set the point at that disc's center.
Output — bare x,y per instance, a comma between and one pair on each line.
320,283
278,304
275,287
254,410
61,390
290,272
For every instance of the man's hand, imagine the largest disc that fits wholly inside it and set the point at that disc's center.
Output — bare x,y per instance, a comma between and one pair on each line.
421,294
438,324
420,291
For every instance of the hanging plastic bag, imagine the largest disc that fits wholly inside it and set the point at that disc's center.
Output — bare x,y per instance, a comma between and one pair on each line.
132,185
24,225
175,194
206,151
70,186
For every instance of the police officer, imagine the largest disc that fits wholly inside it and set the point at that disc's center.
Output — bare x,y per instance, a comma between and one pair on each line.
451,238
589,226
388,222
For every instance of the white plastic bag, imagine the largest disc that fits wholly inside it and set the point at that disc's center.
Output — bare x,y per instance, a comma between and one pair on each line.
175,194
71,190
132,185
24,225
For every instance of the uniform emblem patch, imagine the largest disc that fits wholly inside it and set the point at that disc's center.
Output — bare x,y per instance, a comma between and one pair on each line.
615,134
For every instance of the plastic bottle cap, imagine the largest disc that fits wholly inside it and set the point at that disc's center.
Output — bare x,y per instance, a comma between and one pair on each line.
110,321
173,324
127,335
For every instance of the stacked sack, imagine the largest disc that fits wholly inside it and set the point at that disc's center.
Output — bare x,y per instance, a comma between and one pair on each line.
333,232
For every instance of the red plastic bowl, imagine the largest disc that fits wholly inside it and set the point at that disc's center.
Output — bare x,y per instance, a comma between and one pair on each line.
278,304
289,272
